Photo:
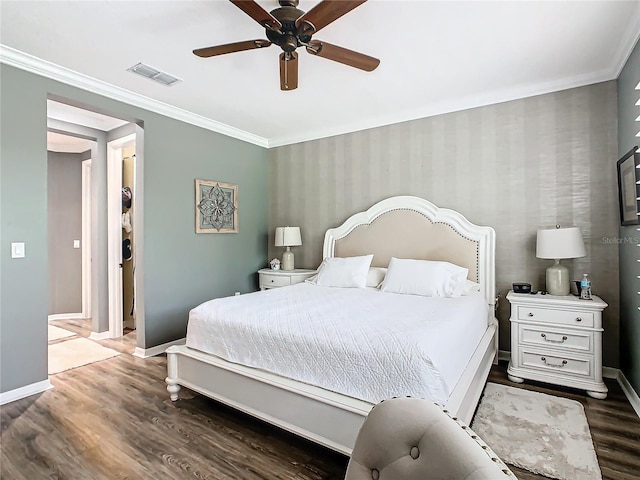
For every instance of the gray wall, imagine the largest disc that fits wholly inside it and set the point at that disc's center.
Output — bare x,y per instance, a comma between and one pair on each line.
516,166
23,218
182,269
64,203
629,266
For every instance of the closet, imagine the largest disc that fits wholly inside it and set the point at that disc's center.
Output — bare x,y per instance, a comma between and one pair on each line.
128,246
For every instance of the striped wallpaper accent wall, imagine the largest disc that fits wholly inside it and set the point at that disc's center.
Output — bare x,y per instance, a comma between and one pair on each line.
515,166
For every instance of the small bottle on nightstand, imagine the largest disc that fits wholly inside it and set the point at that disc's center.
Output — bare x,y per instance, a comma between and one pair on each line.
585,287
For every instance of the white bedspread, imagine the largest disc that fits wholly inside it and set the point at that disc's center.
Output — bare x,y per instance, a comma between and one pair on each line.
359,342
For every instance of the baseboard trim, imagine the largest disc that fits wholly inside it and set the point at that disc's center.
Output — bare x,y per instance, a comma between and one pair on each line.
504,355
630,393
99,335
66,316
26,391
157,350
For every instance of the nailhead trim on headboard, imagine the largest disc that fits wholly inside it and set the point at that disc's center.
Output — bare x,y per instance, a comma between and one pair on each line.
482,235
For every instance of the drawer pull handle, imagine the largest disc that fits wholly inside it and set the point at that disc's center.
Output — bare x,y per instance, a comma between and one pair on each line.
564,339
578,319
549,364
530,314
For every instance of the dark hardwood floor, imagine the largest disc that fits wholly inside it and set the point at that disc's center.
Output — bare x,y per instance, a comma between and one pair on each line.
114,420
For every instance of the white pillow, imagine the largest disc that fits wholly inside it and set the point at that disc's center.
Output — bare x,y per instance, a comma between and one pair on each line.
470,287
376,276
424,277
344,272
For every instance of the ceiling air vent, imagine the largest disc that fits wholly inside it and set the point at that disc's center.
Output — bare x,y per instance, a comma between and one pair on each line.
154,74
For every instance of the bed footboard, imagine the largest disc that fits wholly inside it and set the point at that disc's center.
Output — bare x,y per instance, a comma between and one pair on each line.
324,417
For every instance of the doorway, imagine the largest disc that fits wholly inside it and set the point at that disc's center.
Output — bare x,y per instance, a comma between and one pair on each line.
121,212
69,226
101,218
69,203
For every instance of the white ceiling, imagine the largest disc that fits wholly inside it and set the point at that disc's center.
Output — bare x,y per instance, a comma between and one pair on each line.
79,116
57,142
436,57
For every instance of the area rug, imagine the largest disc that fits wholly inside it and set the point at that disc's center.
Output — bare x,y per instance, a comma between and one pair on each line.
540,433
76,353
56,333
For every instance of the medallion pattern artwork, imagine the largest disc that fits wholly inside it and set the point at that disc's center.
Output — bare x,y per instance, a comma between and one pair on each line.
216,207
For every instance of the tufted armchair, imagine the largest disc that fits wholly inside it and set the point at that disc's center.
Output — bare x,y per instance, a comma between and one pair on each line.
412,438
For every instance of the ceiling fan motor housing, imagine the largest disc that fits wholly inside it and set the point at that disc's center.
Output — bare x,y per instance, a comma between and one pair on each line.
289,37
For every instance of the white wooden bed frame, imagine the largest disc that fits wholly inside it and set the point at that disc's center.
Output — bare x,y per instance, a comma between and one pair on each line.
326,417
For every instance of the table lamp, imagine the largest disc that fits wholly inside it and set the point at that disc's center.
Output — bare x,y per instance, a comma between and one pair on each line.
288,237
558,243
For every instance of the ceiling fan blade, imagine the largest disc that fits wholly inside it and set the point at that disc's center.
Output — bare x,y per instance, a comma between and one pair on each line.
258,13
343,55
230,48
288,71
324,13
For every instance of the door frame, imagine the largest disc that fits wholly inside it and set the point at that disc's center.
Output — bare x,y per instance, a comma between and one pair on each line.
86,238
114,231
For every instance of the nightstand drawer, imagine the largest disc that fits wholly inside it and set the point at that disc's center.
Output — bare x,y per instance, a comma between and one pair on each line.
564,317
274,280
574,365
281,278
549,337
298,279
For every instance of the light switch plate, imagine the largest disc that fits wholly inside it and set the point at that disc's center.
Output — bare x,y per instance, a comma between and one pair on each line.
17,250
76,244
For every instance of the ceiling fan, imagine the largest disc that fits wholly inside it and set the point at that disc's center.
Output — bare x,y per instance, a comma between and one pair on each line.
290,28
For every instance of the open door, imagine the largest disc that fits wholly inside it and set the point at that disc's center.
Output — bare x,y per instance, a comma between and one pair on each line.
115,255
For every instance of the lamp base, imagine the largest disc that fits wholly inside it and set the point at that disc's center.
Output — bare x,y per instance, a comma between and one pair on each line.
287,260
558,279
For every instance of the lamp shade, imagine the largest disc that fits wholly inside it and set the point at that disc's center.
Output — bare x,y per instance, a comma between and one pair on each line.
558,243
288,237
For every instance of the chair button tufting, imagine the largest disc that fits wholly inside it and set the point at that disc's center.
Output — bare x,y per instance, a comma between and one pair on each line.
415,452
375,474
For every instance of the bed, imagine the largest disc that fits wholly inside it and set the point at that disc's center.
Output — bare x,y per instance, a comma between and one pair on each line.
314,407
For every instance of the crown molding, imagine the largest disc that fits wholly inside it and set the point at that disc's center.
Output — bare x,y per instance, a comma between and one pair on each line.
24,61
628,41
450,106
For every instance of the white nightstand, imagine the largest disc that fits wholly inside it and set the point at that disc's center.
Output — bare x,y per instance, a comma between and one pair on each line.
281,278
557,339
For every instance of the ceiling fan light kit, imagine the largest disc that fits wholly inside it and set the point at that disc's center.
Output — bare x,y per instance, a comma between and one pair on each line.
291,28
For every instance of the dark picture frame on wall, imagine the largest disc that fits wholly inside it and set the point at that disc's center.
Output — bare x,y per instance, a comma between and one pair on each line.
628,188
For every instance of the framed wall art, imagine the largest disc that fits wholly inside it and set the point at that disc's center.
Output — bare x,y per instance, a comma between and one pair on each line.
216,207
628,187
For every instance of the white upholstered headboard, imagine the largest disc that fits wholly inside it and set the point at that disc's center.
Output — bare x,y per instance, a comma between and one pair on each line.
412,227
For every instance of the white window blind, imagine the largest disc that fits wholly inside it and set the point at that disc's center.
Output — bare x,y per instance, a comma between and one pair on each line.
638,176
